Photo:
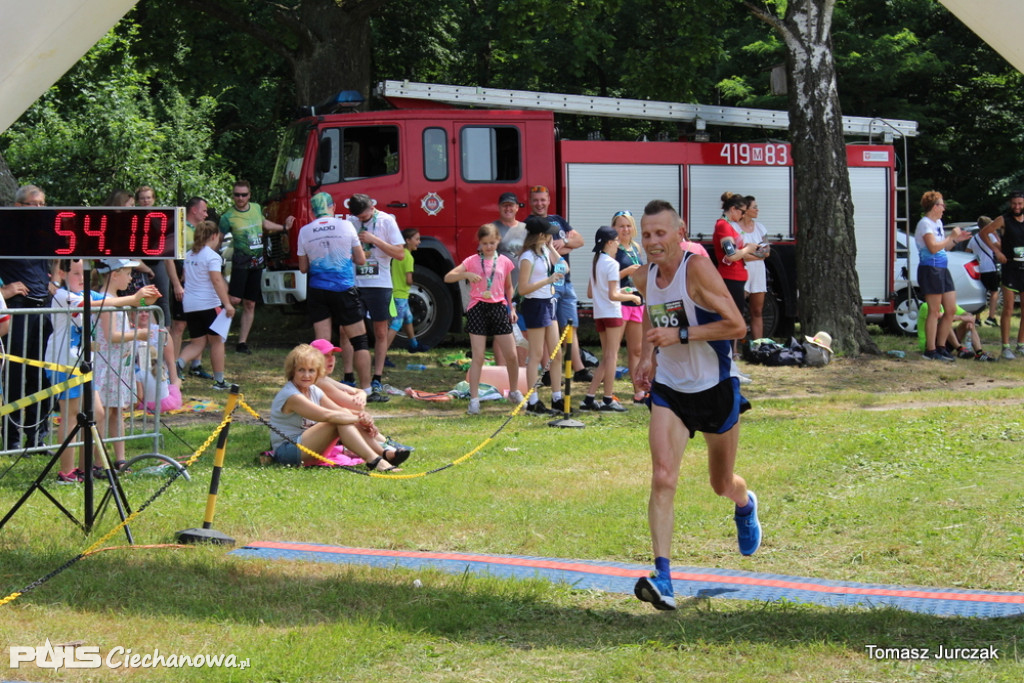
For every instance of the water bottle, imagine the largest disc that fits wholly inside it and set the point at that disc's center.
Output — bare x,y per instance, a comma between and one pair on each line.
561,267
896,353
415,366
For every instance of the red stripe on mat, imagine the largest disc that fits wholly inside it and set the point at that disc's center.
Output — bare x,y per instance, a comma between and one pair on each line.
622,571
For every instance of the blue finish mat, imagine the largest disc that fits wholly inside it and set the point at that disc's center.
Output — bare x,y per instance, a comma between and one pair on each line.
616,577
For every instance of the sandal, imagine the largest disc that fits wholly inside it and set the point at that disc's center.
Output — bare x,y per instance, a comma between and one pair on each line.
400,455
121,467
374,465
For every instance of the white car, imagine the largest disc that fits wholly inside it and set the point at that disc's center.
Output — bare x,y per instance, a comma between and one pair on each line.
970,293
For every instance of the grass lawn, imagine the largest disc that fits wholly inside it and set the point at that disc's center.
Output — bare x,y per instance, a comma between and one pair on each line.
872,469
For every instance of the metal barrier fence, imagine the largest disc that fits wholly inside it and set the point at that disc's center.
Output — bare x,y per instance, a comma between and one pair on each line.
34,428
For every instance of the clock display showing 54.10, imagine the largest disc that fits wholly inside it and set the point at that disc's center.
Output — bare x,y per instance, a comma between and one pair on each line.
94,232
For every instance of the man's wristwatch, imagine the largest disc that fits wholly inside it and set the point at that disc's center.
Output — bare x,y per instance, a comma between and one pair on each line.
684,335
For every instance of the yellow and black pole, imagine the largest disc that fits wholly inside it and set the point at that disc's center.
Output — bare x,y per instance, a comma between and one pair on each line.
566,421
207,534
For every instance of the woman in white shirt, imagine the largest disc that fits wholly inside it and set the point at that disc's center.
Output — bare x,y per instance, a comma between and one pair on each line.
206,294
607,296
756,288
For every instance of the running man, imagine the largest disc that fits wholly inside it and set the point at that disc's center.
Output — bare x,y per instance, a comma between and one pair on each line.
686,364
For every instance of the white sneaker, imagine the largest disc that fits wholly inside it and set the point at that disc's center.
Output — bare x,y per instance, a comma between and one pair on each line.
515,397
1008,354
474,407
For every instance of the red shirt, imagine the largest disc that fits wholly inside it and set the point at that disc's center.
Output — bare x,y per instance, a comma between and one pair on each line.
735,270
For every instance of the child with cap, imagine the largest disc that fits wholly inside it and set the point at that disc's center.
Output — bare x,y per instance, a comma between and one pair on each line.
348,397
607,295
537,277
64,347
301,414
115,346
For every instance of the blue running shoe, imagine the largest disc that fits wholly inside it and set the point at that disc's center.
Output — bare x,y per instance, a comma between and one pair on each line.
656,590
748,529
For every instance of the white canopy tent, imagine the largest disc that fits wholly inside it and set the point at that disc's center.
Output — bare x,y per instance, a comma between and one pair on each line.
997,22
41,40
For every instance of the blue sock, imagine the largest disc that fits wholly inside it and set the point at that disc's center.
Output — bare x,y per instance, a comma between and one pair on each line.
661,566
746,509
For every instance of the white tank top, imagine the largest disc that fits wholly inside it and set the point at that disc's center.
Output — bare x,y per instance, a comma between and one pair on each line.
698,365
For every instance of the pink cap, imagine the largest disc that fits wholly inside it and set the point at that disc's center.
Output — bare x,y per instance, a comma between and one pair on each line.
323,346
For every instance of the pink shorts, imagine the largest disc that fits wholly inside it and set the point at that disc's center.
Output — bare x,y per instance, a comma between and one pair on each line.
172,401
633,314
603,324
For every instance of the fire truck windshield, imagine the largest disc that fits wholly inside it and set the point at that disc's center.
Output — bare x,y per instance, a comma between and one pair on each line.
288,168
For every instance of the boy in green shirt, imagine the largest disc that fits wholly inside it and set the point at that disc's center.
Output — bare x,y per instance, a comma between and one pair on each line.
964,324
401,278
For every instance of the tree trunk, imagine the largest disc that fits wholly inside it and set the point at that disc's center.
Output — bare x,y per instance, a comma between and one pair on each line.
8,183
826,252
339,58
325,42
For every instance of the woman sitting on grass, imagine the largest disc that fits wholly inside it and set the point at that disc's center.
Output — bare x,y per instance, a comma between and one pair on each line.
302,414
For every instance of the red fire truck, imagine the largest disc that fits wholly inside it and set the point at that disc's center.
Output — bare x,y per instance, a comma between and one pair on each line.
439,166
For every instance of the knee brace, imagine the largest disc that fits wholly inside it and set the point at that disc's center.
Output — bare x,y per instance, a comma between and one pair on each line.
360,342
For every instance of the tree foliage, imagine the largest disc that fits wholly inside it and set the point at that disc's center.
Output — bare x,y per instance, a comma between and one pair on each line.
910,59
621,48
234,70
105,127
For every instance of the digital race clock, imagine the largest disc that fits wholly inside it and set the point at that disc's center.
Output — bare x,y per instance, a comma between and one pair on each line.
94,232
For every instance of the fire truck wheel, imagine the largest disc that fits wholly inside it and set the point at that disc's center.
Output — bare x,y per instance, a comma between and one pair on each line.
431,304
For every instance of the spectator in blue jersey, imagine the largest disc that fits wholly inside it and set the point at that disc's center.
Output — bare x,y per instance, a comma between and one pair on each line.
328,251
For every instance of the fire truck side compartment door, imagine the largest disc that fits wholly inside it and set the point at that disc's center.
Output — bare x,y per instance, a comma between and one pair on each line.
596,191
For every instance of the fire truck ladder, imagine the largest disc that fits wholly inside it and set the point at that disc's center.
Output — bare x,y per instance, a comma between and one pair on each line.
699,114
